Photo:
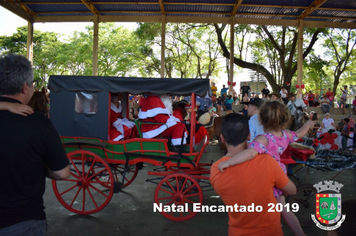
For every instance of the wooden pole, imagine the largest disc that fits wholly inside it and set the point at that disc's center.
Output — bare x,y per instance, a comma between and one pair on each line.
163,45
30,41
300,60
95,45
232,42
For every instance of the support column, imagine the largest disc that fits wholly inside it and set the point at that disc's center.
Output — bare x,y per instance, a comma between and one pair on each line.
300,60
163,45
30,41
95,46
232,43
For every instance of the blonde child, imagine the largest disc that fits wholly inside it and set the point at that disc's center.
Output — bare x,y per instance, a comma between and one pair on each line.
16,108
274,117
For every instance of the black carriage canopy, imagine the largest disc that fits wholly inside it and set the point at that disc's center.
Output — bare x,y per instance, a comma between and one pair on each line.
132,85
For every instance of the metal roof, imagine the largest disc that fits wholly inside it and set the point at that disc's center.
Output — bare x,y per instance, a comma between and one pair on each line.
314,13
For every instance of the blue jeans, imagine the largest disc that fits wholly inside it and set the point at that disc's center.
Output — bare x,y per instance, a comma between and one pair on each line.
228,106
344,142
325,108
26,228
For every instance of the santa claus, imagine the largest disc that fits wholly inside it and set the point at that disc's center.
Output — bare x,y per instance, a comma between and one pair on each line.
120,128
159,110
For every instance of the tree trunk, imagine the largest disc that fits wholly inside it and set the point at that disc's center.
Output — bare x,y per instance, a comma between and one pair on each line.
289,71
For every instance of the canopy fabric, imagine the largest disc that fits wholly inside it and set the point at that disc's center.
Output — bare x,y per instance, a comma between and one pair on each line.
132,85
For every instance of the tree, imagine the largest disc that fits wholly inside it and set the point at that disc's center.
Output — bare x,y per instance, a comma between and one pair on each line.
315,75
277,48
340,44
46,47
185,54
117,51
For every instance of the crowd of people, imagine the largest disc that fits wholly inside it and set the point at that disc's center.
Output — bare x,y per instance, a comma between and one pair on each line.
262,178
327,100
246,155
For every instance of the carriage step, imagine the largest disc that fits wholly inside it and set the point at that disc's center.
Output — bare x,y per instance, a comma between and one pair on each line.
117,186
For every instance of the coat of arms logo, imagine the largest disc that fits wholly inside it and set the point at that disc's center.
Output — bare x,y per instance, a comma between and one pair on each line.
328,205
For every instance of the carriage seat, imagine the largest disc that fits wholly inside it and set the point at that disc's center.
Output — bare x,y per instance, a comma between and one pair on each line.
139,122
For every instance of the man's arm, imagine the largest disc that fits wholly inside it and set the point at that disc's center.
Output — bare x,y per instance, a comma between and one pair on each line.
59,174
56,160
290,188
302,104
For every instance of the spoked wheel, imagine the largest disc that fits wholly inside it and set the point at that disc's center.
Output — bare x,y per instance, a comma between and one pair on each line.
305,198
118,171
180,190
84,192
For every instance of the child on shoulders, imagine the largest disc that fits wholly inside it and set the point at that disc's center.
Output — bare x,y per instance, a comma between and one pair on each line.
274,117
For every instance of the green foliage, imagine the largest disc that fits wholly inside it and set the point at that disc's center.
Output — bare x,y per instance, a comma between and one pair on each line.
314,74
340,48
45,48
192,51
185,54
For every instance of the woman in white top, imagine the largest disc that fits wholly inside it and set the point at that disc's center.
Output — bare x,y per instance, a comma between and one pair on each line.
327,121
283,94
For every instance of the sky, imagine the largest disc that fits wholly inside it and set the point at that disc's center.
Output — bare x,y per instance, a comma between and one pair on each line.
9,22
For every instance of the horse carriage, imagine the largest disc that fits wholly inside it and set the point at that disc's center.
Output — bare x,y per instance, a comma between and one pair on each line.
100,167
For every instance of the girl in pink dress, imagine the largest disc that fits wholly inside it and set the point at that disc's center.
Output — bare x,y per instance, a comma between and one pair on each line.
274,117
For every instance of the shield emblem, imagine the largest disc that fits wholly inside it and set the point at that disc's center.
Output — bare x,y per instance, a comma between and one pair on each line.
328,208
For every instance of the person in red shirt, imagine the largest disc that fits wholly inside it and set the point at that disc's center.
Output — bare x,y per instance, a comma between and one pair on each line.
311,99
249,183
120,127
330,96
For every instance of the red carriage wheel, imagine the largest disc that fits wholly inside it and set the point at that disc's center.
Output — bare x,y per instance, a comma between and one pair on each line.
130,175
84,192
118,171
179,189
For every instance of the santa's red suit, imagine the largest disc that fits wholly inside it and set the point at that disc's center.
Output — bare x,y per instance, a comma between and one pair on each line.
120,127
154,110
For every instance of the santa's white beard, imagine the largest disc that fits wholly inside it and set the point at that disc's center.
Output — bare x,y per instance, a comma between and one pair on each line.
167,101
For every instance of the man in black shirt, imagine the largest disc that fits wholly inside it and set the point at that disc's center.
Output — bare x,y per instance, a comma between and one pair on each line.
30,150
245,89
265,91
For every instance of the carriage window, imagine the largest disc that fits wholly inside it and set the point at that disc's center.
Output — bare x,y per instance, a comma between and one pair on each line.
86,103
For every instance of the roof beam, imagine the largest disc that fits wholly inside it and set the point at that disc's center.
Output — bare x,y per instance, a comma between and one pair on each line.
315,5
191,14
179,19
22,6
90,6
17,10
236,7
161,5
